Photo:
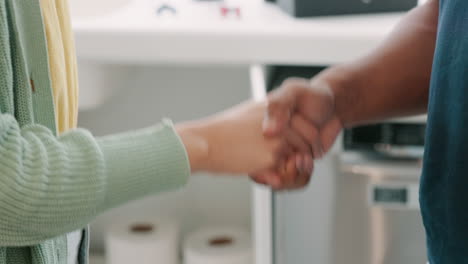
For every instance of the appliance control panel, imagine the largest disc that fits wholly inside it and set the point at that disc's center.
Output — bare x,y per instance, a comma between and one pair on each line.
394,195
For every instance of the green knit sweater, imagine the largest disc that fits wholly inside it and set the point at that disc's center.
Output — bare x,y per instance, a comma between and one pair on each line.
51,185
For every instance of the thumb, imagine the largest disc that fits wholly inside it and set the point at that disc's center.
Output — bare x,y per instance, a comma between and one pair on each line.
329,132
281,105
277,116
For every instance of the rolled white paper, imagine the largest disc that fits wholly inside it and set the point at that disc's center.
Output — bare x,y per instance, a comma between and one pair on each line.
143,242
218,246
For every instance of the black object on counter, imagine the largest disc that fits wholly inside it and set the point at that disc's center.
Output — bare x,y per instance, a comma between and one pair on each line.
280,73
309,8
391,139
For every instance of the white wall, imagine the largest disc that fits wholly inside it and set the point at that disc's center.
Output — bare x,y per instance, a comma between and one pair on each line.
141,96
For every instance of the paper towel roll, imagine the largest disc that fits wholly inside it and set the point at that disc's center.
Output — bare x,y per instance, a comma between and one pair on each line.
218,246
143,242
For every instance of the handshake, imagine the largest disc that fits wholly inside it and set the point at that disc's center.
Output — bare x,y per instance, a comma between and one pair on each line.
275,142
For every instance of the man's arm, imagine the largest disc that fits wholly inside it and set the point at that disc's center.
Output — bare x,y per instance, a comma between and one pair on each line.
394,79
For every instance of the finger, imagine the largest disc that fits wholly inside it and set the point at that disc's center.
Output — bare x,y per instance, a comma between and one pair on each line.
288,151
279,150
259,179
293,173
304,178
268,177
281,103
309,133
286,173
298,172
264,177
277,115
308,164
289,172
292,170
297,142
282,149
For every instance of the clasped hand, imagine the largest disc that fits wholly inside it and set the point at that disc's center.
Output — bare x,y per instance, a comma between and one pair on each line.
275,141
302,113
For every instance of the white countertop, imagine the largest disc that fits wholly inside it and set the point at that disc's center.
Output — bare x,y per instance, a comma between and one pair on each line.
356,163
199,34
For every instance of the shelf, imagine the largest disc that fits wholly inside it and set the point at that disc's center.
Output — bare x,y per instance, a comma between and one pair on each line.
356,163
130,32
198,34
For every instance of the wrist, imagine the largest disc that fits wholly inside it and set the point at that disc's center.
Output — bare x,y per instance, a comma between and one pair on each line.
196,143
337,81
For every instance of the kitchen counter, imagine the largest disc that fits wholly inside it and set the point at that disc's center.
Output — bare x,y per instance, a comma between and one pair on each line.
129,32
199,34
356,163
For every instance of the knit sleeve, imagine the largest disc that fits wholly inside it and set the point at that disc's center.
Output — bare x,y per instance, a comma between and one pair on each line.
52,185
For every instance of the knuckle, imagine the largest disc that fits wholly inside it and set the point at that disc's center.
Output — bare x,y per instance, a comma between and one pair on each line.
313,131
304,148
273,104
296,122
312,135
304,127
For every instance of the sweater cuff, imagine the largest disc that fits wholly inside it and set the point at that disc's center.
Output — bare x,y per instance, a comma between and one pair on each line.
143,162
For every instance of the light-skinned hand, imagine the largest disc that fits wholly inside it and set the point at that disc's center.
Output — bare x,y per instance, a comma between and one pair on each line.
233,142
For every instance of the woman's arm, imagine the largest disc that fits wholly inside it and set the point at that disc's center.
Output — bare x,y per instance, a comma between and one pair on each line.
52,185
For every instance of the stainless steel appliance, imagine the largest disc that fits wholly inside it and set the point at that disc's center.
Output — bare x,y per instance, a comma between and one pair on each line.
399,138
362,205
378,216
